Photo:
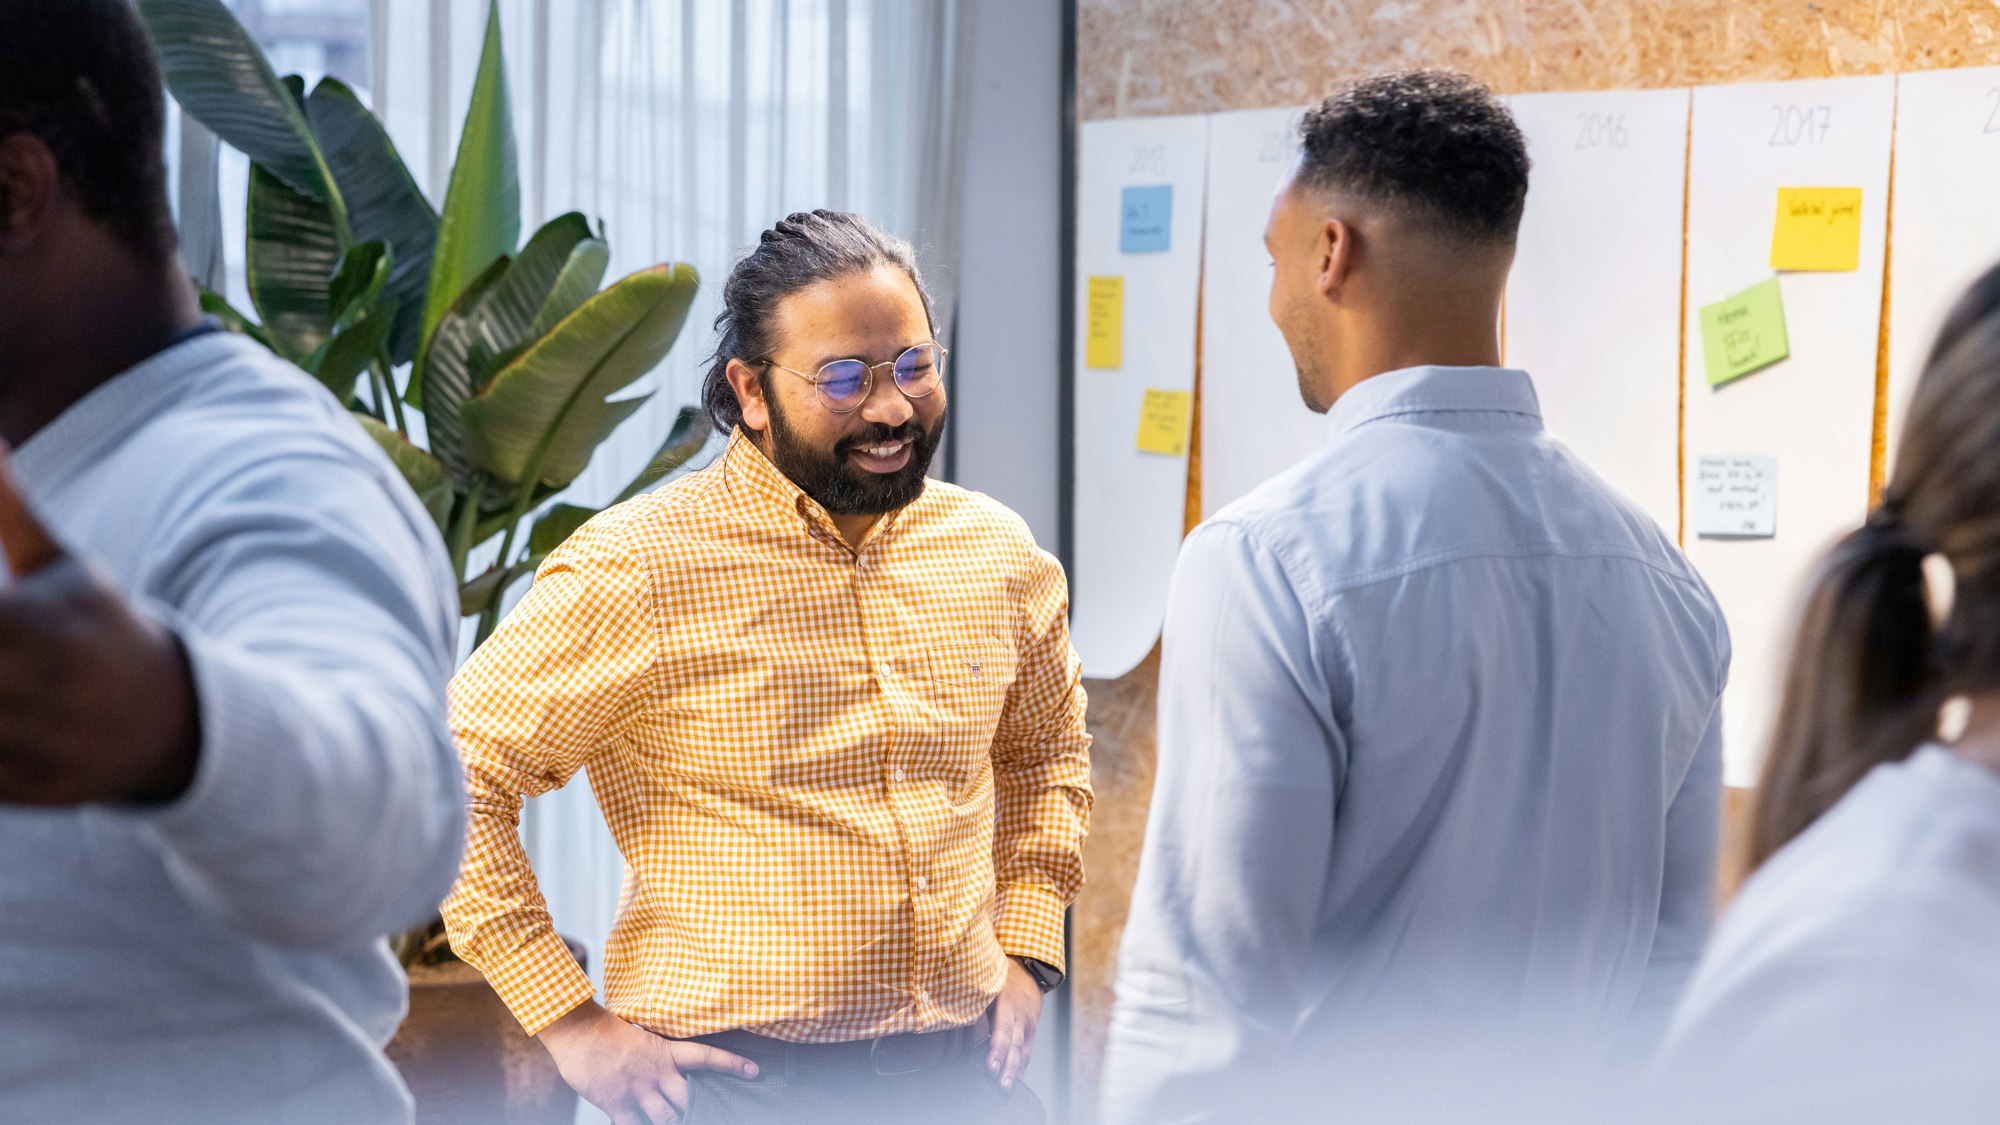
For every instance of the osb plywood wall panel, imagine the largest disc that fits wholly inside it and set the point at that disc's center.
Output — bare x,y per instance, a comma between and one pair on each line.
1140,57
1195,56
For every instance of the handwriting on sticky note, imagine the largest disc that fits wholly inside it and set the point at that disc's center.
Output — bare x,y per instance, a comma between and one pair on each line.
1736,496
1104,323
1817,228
1146,225
1744,333
1163,422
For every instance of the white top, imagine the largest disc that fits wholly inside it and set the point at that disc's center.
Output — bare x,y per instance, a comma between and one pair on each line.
1439,753
1857,975
221,958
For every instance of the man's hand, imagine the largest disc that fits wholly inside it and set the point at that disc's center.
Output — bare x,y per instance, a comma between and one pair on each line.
628,1072
1015,1012
96,702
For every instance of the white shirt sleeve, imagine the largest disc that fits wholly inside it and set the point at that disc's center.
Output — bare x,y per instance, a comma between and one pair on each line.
1231,883
327,807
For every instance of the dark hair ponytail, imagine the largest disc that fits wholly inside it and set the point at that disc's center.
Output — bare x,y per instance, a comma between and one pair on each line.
803,249
1869,671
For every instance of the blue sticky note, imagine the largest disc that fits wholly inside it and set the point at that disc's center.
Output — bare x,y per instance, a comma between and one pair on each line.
1148,225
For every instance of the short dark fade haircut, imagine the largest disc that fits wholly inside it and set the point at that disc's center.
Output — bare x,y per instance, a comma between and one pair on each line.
803,249
81,77
1432,143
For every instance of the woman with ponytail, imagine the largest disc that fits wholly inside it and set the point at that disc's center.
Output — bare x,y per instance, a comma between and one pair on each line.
1857,977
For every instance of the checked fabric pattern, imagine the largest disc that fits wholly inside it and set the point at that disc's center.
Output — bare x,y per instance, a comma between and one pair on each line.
846,783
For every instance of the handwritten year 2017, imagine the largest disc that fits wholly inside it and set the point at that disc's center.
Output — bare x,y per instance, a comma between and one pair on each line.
1800,125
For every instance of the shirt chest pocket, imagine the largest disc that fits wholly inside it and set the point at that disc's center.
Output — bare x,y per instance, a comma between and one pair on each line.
964,683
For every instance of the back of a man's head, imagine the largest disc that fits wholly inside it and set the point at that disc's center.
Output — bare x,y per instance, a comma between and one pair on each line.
80,76
1430,146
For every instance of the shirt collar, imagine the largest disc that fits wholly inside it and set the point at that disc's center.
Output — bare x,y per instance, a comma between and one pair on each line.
746,466
80,435
1427,390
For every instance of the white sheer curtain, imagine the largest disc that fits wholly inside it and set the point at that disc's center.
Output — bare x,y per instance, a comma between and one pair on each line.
686,127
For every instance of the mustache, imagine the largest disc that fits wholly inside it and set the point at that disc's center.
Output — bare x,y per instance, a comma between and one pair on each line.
877,434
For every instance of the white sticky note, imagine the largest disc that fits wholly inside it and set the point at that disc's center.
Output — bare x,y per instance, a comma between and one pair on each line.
1735,496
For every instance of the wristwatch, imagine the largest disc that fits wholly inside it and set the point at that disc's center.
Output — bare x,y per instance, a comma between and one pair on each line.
1047,977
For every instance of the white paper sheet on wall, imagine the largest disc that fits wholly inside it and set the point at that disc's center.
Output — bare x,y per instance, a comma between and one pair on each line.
1814,411
1253,423
1594,303
1129,504
1946,232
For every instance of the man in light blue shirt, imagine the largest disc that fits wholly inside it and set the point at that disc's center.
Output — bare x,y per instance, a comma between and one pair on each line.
1439,752
225,630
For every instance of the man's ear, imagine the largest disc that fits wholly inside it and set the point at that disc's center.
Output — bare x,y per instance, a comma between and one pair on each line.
29,180
1335,250
749,388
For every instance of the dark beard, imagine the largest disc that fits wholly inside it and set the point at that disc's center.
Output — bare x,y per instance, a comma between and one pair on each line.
838,486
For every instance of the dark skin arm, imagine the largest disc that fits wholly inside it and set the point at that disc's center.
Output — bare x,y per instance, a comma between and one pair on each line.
97,702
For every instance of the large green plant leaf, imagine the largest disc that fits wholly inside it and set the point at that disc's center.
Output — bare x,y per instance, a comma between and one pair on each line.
544,414
512,305
445,366
482,207
218,306
581,277
689,434
289,264
420,470
383,202
554,526
364,316
218,73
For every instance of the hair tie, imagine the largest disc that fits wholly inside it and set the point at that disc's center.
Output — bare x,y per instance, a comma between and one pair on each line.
1892,533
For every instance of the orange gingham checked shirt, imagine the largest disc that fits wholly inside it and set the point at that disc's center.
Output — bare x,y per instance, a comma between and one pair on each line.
846,783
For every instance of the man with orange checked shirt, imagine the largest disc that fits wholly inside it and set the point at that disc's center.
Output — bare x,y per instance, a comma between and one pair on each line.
831,712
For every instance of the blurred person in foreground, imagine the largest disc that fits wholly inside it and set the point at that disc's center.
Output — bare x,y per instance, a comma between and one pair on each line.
831,712
225,633
1856,977
1439,750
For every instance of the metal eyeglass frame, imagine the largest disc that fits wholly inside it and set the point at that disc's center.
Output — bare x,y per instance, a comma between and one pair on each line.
868,377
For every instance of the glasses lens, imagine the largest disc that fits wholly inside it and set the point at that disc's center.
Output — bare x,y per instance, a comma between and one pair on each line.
843,383
919,370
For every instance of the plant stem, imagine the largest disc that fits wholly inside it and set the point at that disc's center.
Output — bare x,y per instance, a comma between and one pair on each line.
376,393
464,525
386,371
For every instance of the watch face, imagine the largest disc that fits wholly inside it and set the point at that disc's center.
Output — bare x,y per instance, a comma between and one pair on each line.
1046,976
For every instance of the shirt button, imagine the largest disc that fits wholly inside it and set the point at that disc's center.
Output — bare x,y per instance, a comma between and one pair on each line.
897,774
920,882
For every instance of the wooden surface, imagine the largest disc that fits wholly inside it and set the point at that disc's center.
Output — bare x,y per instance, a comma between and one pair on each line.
1141,57
1196,56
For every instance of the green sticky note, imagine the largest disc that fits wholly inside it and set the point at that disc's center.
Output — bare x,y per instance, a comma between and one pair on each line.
1744,333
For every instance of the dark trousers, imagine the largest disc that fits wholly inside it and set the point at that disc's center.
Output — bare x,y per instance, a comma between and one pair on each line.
957,1091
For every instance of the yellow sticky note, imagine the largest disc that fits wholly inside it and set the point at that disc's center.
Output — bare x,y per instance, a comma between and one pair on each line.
1104,332
1163,422
1818,228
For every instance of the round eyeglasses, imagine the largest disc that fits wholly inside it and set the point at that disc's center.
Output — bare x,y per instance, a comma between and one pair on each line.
843,384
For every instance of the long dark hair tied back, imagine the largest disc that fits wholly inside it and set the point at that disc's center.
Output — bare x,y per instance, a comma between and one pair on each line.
803,249
1872,666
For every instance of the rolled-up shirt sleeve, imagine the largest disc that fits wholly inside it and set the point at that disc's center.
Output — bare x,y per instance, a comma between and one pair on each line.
1231,881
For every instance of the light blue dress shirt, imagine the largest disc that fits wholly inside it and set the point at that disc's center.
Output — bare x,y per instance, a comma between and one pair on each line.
220,958
1439,758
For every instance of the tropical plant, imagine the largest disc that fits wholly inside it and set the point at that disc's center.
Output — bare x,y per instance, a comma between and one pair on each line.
512,353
